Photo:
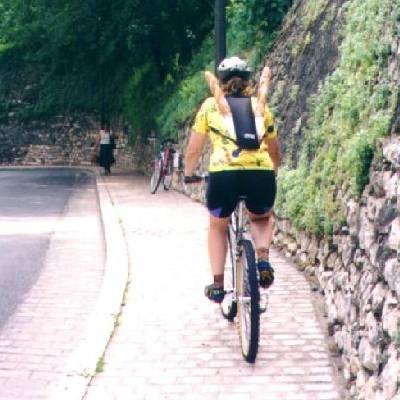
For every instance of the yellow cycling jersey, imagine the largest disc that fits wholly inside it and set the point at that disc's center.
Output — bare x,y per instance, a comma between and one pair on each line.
225,155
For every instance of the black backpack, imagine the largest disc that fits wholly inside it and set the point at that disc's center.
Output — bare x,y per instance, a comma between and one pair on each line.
244,122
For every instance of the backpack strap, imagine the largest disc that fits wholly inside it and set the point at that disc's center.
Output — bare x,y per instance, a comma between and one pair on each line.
224,136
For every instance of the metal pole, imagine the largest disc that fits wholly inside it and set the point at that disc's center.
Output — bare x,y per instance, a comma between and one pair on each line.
220,31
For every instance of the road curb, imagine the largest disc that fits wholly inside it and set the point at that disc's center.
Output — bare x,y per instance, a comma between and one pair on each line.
101,324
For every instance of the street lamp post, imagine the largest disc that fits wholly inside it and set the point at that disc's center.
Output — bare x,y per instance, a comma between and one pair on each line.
220,31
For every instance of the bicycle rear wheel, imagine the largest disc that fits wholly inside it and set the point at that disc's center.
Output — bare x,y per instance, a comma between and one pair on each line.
229,304
248,302
168,174
157,175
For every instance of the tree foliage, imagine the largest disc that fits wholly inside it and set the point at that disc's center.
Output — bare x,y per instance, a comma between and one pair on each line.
85,53
130,57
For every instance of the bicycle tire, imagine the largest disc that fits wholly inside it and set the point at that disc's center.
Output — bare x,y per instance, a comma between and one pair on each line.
229,305
156,177
249,309
167,180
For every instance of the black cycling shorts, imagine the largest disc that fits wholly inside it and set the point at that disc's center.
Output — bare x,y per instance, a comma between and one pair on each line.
226,187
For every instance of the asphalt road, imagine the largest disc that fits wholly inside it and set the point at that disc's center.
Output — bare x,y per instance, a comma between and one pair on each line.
31,202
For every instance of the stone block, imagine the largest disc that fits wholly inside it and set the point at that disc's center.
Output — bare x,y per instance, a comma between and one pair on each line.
392,274
374,205
391,323
394,235
367,233
378,297
341,280
370,356
391,376
375,331
303,261
362,377
347,252
388,212
353,213
313,249
391,150
375,187
354,365
292,247
371,388
343,306
330,261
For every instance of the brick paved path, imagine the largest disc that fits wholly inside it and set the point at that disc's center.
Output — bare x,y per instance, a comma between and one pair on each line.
173,344
37,341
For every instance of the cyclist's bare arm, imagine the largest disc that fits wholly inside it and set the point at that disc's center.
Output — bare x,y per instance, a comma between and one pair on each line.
194,150
265,79
274,151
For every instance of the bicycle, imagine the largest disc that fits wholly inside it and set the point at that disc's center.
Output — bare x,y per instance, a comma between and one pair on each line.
242,291
163,166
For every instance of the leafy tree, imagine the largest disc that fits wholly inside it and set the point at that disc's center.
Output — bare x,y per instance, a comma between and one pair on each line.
109,58
85,52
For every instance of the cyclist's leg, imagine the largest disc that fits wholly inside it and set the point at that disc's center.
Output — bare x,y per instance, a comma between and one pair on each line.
261,230
259,204
259,187
217,246
220,204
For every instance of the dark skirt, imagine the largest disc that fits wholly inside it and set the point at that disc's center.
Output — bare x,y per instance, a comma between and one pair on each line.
106,157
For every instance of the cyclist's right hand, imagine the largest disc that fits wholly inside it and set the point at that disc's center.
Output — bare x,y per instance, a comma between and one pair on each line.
193,179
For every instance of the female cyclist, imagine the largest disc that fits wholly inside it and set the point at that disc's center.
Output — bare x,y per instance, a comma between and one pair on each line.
240,164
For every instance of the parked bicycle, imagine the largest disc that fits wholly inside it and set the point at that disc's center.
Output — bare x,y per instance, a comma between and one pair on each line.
242,291
163,166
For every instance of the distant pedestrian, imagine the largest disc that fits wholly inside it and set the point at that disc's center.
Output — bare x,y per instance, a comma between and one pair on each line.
103,148
113,142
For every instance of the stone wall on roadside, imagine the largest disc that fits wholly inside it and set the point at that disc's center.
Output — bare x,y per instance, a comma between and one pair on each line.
358,271
60,141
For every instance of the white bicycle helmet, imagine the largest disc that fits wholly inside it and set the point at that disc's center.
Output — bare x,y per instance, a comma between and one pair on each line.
233,66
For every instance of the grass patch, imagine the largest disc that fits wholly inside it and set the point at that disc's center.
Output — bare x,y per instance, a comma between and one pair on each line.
312,10
100,365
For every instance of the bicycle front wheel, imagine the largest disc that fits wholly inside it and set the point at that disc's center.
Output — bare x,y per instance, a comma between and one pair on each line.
168,174
156,176
248,302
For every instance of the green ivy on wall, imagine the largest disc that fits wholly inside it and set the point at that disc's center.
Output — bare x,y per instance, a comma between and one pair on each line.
352,110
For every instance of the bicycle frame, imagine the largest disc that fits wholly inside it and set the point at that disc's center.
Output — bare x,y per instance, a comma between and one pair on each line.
165,155
237,225
236,234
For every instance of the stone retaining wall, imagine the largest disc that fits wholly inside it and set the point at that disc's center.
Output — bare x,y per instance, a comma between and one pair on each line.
61,141
358,271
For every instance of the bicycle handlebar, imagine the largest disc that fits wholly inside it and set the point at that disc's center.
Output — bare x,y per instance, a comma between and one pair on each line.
195,179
